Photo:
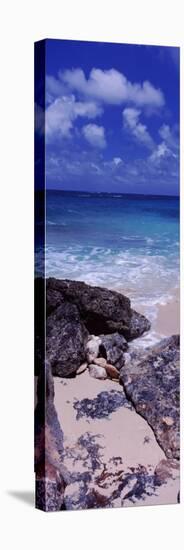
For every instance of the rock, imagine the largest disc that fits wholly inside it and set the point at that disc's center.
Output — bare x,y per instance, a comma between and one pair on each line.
82,368
66,338
166,469
97,372
92,348
138,325
112,348
100,361
112,371
168,420
127,358
51,475
152,385
102,310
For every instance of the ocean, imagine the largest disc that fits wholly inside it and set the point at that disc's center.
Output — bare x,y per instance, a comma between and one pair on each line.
124,242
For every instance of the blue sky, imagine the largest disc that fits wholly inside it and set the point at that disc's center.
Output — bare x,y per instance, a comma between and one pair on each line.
112,117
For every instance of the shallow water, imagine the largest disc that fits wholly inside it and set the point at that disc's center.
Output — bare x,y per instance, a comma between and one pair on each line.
125,242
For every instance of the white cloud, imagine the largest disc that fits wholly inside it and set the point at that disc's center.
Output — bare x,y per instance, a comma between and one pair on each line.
137,129
165,132
70,166
160,152
95,135
111,86
54,88
170,136
117,160
169,146
61,114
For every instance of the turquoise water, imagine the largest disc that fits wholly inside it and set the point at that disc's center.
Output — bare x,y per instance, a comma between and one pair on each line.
126,242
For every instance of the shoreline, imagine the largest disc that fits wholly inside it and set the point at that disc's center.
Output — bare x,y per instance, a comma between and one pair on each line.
168,315
165,321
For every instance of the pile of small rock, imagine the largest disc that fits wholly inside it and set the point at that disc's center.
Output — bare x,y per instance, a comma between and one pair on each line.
105,356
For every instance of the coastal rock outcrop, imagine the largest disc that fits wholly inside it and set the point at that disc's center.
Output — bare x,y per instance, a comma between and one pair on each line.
66,338
102,311
77,314
152,385
51,474
166,469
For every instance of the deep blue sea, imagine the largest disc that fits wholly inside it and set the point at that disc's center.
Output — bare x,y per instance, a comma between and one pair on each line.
124,242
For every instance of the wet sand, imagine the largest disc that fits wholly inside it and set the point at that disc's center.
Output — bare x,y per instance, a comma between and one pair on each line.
168,316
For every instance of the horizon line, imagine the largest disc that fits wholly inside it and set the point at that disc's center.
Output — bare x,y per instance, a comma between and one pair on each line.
108,192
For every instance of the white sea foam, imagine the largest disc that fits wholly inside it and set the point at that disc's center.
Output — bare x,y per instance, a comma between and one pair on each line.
146,279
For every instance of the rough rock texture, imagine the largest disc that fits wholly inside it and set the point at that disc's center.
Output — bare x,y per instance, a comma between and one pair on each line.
112,348
97,372
166,469
92,348
153,387
102,310
138,325
74,310
66,337
51,475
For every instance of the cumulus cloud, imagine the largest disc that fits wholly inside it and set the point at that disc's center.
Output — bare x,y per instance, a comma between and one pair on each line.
136,128
170,136
169,146
117,160
95,135
71,167
165,132
160,152
54,88
111,86
101,87
61,114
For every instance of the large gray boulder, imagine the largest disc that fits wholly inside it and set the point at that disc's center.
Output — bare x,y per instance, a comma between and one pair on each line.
102,311
152,385
66,339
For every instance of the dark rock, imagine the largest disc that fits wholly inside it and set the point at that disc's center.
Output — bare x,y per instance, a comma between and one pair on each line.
138,324
66,338
112,348
74,310
102,310
152,385
166,469
51,475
